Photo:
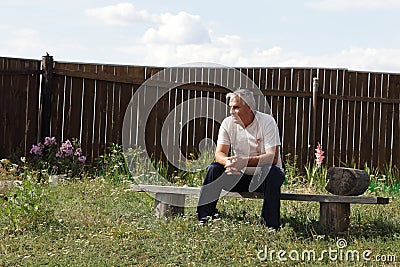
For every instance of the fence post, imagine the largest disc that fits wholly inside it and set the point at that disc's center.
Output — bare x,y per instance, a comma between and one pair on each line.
46,91
314,112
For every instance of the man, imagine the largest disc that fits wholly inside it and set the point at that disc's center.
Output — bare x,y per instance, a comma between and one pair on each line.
252,138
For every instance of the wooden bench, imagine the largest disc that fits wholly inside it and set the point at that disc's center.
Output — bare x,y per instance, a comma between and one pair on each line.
334,210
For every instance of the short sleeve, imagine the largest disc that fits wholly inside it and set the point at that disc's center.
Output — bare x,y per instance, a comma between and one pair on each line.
223,134
271,133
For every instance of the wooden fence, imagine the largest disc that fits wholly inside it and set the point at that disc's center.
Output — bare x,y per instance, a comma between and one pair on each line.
19,105
354,115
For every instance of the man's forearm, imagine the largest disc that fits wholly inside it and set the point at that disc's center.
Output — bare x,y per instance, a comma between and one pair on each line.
261,160
221,158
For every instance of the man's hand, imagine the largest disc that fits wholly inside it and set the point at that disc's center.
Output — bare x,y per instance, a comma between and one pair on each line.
235,164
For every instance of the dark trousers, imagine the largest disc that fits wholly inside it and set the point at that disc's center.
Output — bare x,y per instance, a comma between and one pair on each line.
216,180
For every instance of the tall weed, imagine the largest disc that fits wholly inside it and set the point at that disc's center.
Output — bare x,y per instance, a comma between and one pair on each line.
28,207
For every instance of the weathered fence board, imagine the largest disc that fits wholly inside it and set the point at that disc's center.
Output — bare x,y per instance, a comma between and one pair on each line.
19,91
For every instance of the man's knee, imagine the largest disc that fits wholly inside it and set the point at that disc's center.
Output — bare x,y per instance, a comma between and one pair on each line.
214,171
215,168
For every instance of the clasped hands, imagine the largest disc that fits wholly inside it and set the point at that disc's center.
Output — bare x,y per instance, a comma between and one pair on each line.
234,165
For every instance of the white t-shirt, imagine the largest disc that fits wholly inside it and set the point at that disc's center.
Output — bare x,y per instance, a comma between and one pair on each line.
253,140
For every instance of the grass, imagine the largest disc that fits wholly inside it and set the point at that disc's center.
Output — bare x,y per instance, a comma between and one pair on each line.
96,222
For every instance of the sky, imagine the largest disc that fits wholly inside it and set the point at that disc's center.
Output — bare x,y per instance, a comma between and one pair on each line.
353,34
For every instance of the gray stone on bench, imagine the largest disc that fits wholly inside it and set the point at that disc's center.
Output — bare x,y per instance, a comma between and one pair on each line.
334,209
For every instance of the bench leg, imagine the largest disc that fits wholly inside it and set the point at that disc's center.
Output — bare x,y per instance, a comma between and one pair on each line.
335,216
169,204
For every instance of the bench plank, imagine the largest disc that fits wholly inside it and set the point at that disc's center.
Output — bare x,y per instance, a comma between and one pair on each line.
284,195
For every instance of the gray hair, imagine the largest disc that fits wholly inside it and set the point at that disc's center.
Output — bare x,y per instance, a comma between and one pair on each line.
246,96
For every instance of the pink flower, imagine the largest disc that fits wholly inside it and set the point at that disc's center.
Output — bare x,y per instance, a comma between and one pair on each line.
82,159
50,141
55,168
66,148
78,152
36,149
319,155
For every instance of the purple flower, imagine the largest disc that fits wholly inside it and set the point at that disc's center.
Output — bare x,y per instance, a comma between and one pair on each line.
82,159
50,141
59,154
55,168
36,149
78,152
66,148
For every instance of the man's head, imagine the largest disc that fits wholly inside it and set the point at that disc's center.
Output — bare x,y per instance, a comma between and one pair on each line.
246,96
242,106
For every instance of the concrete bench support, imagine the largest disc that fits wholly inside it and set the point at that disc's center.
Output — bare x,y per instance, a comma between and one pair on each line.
166,204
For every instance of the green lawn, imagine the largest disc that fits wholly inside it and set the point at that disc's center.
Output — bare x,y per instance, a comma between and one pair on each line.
97,223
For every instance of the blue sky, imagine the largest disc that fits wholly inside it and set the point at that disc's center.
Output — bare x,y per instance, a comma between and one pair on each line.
356,34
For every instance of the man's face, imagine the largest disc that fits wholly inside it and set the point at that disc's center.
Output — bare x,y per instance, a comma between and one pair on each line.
240,112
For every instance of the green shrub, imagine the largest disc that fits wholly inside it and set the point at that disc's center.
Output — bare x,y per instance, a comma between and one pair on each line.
112,165
195,168
27,207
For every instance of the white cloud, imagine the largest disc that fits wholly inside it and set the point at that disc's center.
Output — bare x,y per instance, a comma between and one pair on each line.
338,5
121,14
182,28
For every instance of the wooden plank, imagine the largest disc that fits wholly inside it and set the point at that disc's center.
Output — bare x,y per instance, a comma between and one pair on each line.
289,114
257,77
208,86
322,129
88,113
258,195
357,121
311,141
306,120
280,105
324,106
76,108
5,103
3,113
373,116
366,129
301,133
350,82
389,117
189,128
57,107
395,83
99,136
383,123
16,115
24,72
343,87
184,129
127,94
330,146
113,104
269,87
67,109
32,111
